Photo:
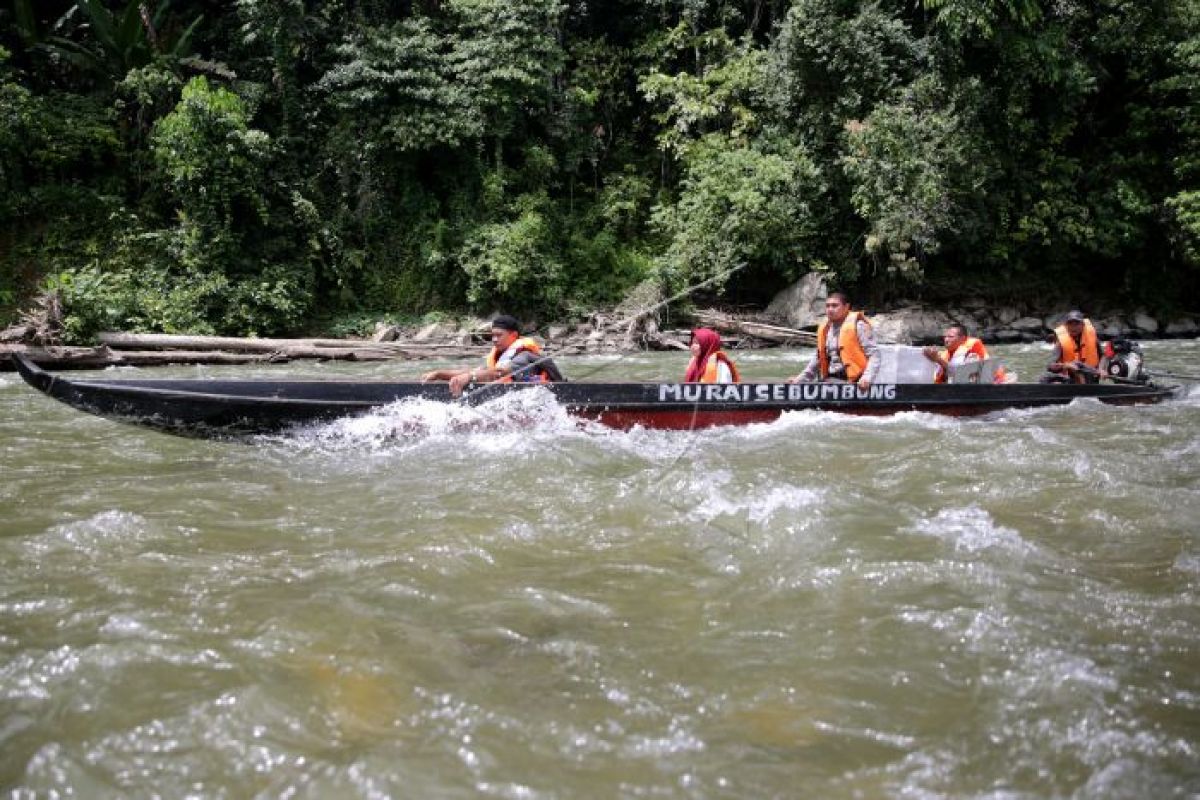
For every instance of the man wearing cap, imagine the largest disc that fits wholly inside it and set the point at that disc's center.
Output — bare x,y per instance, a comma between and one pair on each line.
846,348
512,358
1076,352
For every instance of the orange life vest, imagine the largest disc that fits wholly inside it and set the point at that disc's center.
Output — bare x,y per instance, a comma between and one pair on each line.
970,345
713,369
1089,350
520,345
849,349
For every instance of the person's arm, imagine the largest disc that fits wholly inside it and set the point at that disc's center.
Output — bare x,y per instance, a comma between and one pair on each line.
810,371
866,338
477,375
460,377
442,374
1102,367
1056,364
934,354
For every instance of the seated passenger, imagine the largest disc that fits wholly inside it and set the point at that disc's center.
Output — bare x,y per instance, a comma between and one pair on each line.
709,363
512,358
845,352
1076,352
960,349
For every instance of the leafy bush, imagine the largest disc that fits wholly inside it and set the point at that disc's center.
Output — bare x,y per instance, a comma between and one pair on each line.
739,205
913,165
513,264
1184,209
236,245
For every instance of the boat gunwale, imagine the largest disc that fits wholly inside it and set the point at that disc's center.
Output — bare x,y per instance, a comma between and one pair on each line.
137,388
169,390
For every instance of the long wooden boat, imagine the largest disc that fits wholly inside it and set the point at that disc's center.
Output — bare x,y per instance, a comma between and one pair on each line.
216,407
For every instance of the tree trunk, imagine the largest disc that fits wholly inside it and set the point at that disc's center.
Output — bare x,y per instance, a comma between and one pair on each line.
164,341
759,330
100,357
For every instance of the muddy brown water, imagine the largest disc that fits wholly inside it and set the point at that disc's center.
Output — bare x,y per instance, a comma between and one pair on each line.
433,602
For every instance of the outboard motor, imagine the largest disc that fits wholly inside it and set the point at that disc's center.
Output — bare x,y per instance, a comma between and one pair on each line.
1124,360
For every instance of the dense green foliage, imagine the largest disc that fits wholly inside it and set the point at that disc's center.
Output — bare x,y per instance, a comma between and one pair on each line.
241,166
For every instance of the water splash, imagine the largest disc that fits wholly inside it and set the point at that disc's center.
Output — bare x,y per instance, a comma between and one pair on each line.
410,421
760,505
95,536
972,530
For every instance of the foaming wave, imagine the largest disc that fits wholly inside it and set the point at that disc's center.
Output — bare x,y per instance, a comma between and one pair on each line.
99,533
804,419
972,530
760,506
1190,394
1188,563
1087,724
412,420
1073,408
676,740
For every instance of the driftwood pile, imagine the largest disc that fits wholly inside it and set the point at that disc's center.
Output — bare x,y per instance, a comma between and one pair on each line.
42,325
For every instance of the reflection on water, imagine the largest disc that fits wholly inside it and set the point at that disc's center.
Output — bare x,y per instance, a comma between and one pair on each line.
503,601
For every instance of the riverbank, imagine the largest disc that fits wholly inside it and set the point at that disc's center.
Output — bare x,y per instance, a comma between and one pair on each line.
637,324
802,305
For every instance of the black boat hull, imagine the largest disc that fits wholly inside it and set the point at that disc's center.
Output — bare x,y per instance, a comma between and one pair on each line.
231,408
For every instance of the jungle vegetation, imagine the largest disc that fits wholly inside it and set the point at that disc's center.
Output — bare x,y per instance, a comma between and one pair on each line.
264,166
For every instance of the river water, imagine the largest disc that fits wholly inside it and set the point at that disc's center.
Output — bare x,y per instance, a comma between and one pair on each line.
433,602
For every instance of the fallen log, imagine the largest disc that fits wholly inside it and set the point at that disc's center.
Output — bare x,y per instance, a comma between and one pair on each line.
163,358
102,356
294,348
282,355
758,330
667,340
56,357
167,341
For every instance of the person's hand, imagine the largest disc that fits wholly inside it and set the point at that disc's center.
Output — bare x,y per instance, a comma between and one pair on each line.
459,382
427,377
864,384
794,379
932,354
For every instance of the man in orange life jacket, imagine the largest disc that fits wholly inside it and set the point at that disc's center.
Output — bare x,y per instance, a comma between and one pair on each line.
1076,352
846,348
512,358
960,348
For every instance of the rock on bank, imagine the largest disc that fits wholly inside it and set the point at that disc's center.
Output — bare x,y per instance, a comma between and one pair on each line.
802,305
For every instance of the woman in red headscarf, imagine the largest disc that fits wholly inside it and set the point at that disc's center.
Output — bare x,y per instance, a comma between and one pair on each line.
709,363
